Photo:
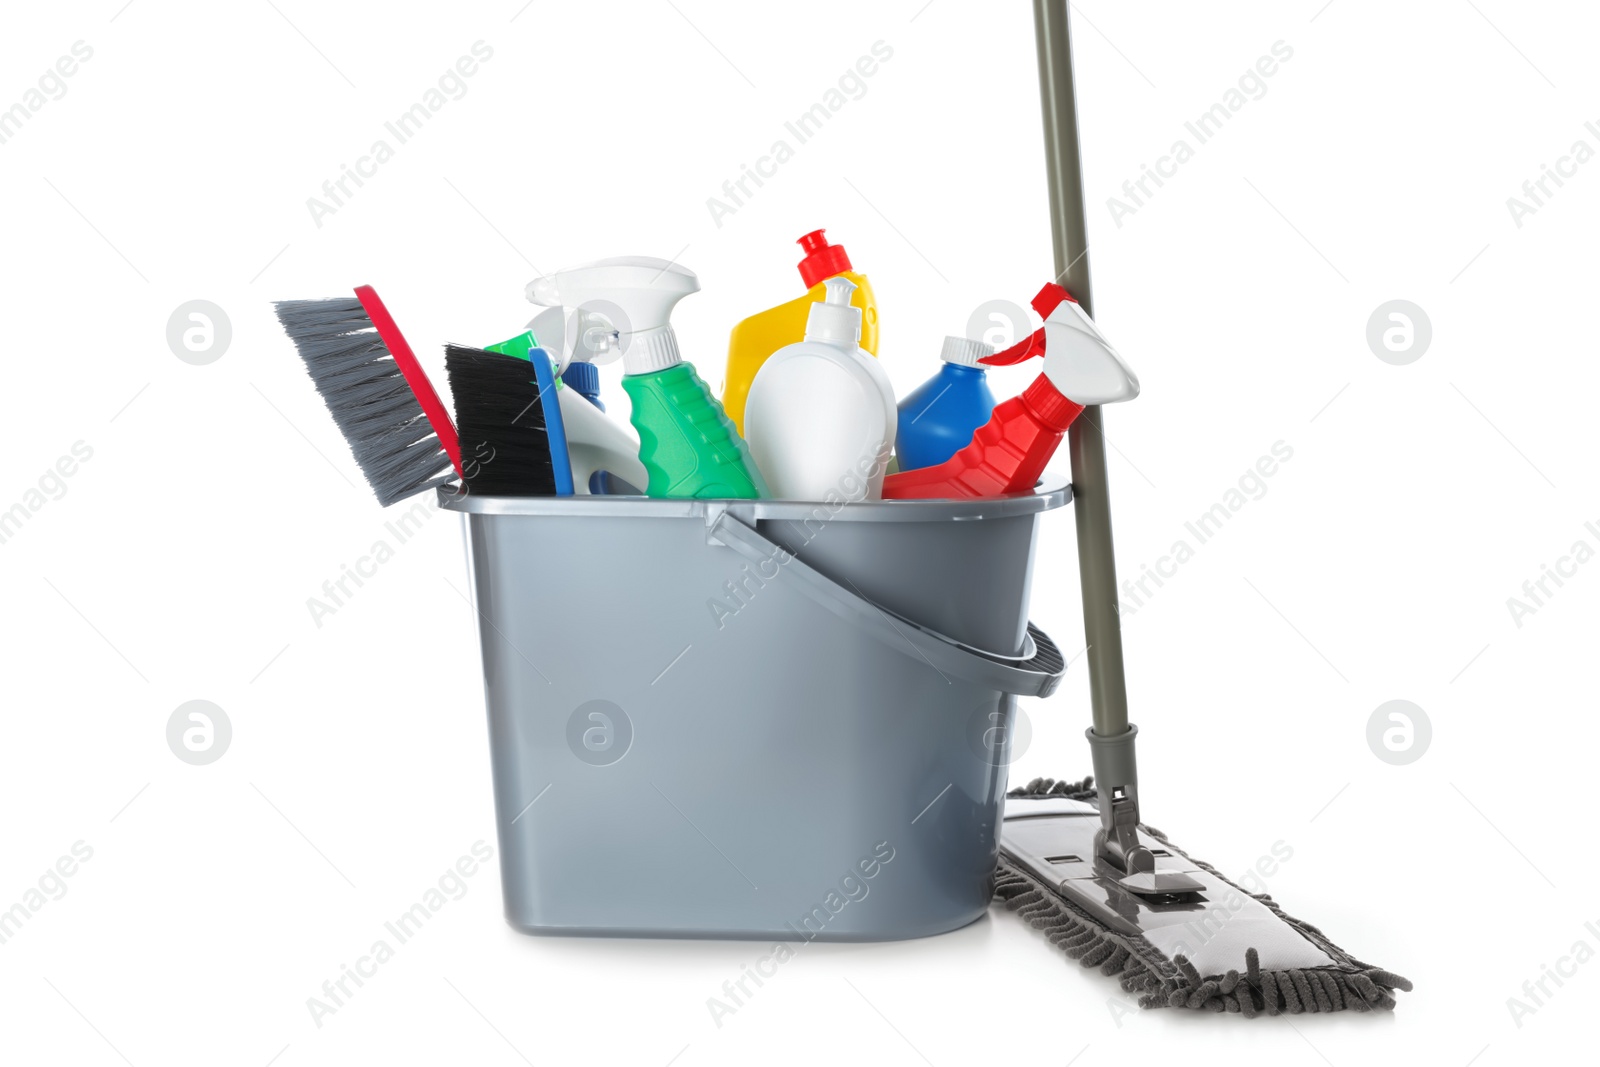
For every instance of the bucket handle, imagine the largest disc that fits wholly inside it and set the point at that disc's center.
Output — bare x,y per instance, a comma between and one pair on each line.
1036,676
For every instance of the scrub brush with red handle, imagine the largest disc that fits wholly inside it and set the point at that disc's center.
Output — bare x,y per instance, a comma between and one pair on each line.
397,428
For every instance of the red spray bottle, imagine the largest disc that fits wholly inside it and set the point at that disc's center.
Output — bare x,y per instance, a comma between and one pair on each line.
1009,452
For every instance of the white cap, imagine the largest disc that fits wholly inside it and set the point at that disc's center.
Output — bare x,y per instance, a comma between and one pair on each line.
632,296
834,320
964,351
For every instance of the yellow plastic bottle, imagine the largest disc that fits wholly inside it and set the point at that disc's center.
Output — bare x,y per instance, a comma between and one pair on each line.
762,334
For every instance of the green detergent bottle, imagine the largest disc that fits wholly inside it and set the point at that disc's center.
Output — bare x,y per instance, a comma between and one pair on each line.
687,444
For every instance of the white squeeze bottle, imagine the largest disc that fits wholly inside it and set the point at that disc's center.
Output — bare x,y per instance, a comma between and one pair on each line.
820,420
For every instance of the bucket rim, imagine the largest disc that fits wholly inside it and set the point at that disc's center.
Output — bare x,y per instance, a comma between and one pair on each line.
1051,492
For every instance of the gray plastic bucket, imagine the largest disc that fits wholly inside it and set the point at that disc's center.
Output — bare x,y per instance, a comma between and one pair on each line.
752,719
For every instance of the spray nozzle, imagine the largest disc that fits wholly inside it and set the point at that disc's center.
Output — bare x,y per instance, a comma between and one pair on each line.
1080,362
574,336
621,306
833,319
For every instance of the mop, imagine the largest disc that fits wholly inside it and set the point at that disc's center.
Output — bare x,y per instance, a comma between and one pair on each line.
1209,944
1077,860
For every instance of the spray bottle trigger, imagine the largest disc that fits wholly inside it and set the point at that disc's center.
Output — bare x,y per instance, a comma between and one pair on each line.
1079,362
1048,299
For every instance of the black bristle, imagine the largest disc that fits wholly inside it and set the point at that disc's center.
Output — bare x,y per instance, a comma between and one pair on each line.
505,450
361,384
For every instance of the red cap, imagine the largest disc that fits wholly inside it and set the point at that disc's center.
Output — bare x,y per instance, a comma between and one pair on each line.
822,259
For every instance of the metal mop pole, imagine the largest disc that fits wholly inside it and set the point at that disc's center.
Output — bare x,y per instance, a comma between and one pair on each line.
1112,738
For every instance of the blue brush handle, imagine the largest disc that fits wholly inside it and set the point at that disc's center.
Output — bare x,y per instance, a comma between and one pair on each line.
560,459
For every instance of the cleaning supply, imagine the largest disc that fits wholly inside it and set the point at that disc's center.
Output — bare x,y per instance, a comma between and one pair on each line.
941,415
821,414
1076,859
381,399
804,676
756,338
603,454
687,445
518,346
544,377
576,372
583,378
1212,946
1008,453
509,417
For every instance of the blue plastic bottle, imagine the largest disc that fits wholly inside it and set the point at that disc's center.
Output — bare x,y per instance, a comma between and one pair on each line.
940,416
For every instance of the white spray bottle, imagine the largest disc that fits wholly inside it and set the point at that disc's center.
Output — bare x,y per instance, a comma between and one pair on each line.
595,441
688,446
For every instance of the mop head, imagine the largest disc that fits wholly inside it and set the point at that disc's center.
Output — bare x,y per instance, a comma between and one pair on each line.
1304,972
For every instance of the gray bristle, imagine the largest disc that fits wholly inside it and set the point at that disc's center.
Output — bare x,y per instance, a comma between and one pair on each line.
368,397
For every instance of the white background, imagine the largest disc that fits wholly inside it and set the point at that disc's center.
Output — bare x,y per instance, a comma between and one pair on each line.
1377,566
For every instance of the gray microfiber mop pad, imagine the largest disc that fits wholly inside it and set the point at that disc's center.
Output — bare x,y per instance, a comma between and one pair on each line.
1163,982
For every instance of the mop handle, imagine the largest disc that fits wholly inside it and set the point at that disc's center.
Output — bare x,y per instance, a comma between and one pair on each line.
1091,503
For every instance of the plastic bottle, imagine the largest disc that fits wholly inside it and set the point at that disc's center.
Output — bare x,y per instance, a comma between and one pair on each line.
603,454
941,415
821,412
756,338
1009,452
583,378
688,448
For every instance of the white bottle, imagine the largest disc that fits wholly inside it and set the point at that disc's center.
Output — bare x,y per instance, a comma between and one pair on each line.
597,442
820,419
